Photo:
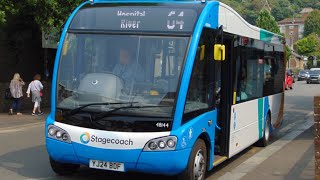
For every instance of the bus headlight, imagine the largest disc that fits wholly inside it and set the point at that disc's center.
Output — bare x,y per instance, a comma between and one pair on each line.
171,143
51,131
152,146
59,134
161,144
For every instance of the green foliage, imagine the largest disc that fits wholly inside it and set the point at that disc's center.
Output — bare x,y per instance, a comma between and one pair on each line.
48,14
288,53
2,17
6,6
282,10
312,23
266,21
308,45
52,14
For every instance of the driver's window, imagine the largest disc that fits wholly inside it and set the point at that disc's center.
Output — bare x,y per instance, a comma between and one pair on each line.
201,85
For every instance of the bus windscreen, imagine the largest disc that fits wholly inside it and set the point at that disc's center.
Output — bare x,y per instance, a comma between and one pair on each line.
135,18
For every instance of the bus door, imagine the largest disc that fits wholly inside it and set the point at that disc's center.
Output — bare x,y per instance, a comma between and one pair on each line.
224,78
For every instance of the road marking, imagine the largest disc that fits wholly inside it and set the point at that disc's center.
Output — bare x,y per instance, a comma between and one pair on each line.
247,166
19,128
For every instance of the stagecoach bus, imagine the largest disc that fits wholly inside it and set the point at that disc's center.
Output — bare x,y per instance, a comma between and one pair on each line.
161,87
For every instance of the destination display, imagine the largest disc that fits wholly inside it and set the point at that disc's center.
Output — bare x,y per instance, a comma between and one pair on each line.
135,18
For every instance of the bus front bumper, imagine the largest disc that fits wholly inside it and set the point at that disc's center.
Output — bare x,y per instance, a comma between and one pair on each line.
159,162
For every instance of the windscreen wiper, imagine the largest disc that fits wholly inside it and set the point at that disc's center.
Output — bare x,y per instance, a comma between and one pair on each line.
77,110
107,113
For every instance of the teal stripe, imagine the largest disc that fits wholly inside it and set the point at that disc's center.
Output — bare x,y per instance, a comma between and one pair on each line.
266,35
260,116
270,37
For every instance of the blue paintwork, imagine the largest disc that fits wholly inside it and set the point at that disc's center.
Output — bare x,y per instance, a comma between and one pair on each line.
266,110
199,125
134,160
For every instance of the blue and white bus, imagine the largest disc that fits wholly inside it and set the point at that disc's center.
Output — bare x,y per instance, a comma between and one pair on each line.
161,87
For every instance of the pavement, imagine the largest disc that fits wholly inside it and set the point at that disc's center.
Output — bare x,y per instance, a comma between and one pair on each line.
14,122
289,158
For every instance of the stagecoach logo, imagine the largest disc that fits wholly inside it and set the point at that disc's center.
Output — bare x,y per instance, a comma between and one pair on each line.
85,137
95,82
134,13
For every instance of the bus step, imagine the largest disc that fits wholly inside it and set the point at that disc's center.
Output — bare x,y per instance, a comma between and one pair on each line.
219,159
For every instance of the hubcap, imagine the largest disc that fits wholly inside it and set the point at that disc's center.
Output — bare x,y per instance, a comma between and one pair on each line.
199,165
267,130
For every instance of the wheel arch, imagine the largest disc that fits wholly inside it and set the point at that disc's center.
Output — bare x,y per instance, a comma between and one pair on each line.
206,138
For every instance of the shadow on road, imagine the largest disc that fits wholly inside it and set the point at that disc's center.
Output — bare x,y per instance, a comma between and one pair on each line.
33,163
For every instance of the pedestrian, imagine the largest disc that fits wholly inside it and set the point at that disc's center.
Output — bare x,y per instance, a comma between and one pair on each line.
35,87
16,93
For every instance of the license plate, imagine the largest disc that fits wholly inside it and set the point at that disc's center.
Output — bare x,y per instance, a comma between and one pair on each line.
112,166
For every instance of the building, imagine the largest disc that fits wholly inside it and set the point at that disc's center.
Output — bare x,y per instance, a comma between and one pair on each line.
293,28
296,61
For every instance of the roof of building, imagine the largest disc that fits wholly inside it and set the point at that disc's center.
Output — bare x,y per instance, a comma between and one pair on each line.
306,10
296,55
292,21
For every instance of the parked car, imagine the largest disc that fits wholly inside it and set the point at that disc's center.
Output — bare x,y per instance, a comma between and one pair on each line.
289,80
303,74
313,77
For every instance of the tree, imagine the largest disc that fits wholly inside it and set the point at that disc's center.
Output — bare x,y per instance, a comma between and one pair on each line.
312,23
52,14
282,10
309,45
6,7
266,21
288,53
48,14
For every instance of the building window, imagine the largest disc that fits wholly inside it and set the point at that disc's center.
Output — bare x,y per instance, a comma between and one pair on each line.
301,28
291,27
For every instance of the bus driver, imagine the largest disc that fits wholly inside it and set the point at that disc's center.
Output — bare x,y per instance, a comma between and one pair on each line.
128,70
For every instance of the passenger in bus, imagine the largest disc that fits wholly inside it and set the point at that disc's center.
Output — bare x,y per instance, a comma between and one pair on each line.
127,69
267,69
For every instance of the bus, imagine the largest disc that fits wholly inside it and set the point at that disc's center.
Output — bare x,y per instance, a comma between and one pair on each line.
161,87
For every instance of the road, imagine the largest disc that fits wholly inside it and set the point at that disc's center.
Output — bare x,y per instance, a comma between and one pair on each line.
23,154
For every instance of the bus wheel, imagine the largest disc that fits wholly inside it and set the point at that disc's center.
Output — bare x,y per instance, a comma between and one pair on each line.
197,164
63,169
264,141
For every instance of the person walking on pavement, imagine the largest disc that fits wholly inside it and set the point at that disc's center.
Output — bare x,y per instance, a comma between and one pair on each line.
16,93
35,87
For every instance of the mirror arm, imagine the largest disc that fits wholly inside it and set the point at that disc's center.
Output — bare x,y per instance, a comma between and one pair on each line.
221,33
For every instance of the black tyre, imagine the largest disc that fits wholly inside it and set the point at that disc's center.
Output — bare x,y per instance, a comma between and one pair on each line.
264,141
63,169
197,164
